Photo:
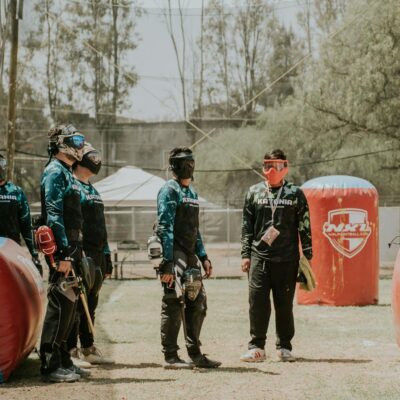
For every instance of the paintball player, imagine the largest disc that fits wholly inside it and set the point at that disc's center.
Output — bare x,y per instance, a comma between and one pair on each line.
275,215
61,211
95,246
15,215
178,230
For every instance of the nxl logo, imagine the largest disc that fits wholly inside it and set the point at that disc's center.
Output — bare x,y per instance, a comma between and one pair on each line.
348,230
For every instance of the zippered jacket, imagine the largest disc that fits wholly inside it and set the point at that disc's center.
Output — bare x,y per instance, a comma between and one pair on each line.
291,219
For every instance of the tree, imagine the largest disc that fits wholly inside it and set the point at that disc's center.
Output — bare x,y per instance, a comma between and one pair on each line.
104,35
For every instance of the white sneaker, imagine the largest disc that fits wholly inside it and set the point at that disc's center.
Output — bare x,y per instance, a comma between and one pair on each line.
285,355
253,355
93,355
76,357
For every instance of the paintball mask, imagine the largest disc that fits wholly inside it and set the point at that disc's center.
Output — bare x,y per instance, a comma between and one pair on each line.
182,164
68,140
91,159
154,250
275,171
3,168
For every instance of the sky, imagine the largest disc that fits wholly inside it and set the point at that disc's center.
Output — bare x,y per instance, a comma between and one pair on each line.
157,95
159,99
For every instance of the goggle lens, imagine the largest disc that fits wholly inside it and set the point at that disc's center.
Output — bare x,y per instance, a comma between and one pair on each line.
75,141
278,165
94,157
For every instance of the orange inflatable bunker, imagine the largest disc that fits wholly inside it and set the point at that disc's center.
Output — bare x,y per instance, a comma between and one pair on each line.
396,297
22,298
344,226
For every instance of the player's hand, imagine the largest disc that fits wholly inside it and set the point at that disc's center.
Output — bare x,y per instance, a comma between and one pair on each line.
168,279
64,267
245,264
207,269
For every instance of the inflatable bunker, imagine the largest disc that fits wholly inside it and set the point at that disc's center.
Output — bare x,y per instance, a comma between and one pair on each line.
344,226
22,298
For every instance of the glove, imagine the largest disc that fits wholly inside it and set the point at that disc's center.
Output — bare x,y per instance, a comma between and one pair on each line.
38,265
167,268
109,264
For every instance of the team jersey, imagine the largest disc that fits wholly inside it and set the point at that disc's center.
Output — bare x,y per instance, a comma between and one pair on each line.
15,216
178,221
94,223
61,206
291,219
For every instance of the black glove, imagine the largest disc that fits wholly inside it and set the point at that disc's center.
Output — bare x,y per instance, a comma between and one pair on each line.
38,265
167,268
301,278
109,264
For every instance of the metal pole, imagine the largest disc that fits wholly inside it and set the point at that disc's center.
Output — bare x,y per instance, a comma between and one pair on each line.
12,88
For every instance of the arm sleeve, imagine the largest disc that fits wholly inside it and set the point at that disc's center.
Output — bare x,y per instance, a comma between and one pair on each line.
106,249
167,202
247,226
25,223
54,188
303,215
200,250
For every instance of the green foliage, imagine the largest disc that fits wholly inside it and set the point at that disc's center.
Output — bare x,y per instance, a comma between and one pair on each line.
345,103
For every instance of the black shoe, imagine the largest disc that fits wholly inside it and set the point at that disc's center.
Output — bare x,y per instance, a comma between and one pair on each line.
201,361
82,372
61,375
174,362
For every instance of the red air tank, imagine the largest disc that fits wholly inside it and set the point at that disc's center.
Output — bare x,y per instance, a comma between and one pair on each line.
22,299
344,226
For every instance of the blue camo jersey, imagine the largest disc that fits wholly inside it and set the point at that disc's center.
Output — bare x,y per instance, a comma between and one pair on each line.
94,224
61,198
178,220
291,219
15,215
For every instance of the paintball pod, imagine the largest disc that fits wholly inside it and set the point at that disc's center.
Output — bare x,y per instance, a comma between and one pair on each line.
155,251
47,245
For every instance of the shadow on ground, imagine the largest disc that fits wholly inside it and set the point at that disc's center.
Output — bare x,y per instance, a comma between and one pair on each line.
332,360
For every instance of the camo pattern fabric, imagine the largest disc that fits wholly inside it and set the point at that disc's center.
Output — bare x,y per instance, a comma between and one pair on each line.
61,197
178,220
15,215
291,219
94,223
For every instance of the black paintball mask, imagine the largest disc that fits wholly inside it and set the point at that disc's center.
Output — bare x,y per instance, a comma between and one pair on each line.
3,168
91,159
182,164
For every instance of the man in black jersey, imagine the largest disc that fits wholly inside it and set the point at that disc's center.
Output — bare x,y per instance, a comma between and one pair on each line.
275,215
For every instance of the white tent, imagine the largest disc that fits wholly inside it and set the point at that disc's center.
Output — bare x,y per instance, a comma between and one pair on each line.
132,187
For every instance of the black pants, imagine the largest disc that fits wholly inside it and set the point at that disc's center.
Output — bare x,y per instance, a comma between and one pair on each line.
171,316
280,278
81,326
58,322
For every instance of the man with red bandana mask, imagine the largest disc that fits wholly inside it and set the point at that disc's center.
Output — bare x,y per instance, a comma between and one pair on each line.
275,216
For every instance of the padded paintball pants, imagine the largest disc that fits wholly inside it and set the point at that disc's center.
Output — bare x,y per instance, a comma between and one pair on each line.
81,327
171,316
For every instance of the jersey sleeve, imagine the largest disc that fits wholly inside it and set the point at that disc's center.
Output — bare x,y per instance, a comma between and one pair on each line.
200,250
304,227
54,186
247,225
167,201
25,223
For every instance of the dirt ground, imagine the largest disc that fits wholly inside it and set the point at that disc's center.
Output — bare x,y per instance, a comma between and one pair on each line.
344,353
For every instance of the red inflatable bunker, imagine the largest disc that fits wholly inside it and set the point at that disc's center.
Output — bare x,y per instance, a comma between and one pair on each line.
396,298
22,298
344,225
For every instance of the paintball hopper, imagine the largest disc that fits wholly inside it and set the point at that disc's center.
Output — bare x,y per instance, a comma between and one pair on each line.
154,250
45,241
